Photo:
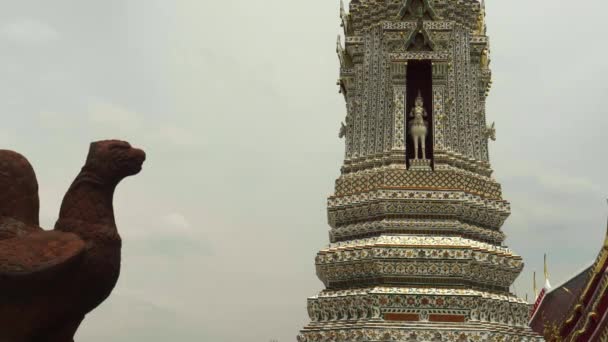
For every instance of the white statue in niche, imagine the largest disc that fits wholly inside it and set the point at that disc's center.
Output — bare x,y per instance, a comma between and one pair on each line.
418,126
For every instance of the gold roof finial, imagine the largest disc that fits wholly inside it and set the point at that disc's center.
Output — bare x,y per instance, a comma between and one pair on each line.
547,284
534,285
606,238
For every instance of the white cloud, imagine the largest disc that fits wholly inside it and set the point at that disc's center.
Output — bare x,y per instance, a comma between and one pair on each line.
170,225
571,184
107,115
50,201
539,195
128,317
113,115
177,221
27,30
7,138
178,136
550,179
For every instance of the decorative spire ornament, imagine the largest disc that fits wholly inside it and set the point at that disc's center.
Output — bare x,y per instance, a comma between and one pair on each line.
547,283
534,288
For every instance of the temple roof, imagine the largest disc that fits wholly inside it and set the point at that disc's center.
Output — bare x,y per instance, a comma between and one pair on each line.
578,309
554,306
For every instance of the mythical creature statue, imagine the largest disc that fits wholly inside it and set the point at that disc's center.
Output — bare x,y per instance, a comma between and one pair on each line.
418,126
342,133
49,280
485,59
480,28
490,132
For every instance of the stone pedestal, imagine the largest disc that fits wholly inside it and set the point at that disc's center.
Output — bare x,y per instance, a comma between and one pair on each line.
420,165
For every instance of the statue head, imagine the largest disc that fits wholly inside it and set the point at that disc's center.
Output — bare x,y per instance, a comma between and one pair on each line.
112,160
419,102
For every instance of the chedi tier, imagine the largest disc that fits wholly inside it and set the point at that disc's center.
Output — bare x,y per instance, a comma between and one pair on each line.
416,250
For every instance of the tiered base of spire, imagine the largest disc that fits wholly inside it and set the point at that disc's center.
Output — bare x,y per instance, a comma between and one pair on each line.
416,314
403,287
416,332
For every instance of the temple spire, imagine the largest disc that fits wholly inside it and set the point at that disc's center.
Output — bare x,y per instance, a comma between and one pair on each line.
416,193
547,283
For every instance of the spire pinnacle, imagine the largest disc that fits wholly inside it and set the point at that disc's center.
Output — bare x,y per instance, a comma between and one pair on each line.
344,17
547,283
606,238
534,285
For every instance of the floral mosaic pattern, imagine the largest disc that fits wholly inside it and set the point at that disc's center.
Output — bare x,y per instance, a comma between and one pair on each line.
374,303
469,182
415,334
416,226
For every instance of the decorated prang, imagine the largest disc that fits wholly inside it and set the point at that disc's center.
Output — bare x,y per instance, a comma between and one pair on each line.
416,249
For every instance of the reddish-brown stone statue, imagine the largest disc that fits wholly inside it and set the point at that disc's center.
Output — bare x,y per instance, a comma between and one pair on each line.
49,280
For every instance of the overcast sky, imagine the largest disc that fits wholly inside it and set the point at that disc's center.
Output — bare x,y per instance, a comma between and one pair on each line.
235,103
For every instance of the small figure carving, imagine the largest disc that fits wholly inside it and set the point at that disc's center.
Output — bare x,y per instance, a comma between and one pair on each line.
345,17
49,280
340,51
417,9
491,132
419,39
485,59
342,133
342,87
481,24
418,126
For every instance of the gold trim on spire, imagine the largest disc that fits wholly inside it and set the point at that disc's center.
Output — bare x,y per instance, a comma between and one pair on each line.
546,269
534,285
547,283
606,237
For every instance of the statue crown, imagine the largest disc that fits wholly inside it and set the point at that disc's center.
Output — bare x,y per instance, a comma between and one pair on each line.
419,98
